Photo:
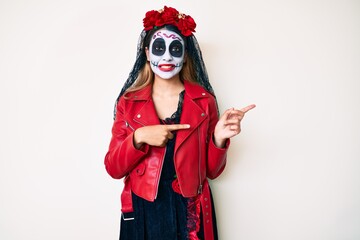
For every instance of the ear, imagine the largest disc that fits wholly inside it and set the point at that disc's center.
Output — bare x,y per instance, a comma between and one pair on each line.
147,53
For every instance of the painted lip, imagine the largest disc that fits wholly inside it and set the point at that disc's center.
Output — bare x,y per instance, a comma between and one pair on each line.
166,67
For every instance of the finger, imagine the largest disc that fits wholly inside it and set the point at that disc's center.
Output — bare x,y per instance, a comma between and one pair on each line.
174,127
236,114
232,121
235,128
170,135
226,114
248,108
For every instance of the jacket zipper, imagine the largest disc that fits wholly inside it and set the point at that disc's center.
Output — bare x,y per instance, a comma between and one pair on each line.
128,125
200,182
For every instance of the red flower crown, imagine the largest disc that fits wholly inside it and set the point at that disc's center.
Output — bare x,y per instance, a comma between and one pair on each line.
168,15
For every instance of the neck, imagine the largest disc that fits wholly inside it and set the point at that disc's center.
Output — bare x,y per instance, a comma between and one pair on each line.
166,87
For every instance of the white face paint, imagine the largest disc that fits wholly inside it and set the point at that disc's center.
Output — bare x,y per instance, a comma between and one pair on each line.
166,53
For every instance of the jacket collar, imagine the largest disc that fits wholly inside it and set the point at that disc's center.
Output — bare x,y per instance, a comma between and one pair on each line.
191,114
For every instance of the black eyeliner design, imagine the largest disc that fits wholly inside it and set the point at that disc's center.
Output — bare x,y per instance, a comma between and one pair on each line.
159,48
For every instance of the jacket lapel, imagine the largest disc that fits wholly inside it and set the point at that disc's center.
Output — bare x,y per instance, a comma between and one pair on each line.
147,114
191,114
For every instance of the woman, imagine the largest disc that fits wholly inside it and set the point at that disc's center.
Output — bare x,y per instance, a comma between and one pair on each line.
167,138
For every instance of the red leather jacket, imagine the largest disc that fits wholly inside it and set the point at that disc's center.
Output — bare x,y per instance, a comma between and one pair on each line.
195,155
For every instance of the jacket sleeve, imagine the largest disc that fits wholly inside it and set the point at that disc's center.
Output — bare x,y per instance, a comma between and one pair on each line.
216,156
122,156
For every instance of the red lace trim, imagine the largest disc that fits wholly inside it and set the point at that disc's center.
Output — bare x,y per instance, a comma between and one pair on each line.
193,219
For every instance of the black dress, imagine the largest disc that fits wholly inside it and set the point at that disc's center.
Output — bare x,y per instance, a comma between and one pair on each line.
171,216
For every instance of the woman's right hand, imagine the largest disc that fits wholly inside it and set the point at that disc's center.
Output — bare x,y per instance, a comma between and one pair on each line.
156,135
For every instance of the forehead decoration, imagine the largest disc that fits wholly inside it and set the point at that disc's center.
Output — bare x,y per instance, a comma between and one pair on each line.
169,16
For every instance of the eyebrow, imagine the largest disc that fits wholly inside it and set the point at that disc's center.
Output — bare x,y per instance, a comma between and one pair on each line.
173,36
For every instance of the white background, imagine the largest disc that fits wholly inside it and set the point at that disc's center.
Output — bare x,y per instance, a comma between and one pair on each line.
292,174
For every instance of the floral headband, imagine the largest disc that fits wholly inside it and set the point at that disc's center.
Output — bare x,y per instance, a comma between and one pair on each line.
168,15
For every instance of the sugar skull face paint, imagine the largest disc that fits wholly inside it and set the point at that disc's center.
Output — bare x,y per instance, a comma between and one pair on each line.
166,53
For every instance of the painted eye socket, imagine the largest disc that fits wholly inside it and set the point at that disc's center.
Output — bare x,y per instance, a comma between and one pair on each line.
176,48
158,47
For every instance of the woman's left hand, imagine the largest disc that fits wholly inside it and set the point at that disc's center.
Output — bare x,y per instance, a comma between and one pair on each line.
228,125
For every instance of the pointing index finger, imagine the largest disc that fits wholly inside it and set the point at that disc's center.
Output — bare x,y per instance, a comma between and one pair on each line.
248,108
173,127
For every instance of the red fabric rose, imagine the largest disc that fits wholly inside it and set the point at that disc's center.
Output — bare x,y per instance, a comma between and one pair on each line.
169,15
150,19
186,25
175,186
